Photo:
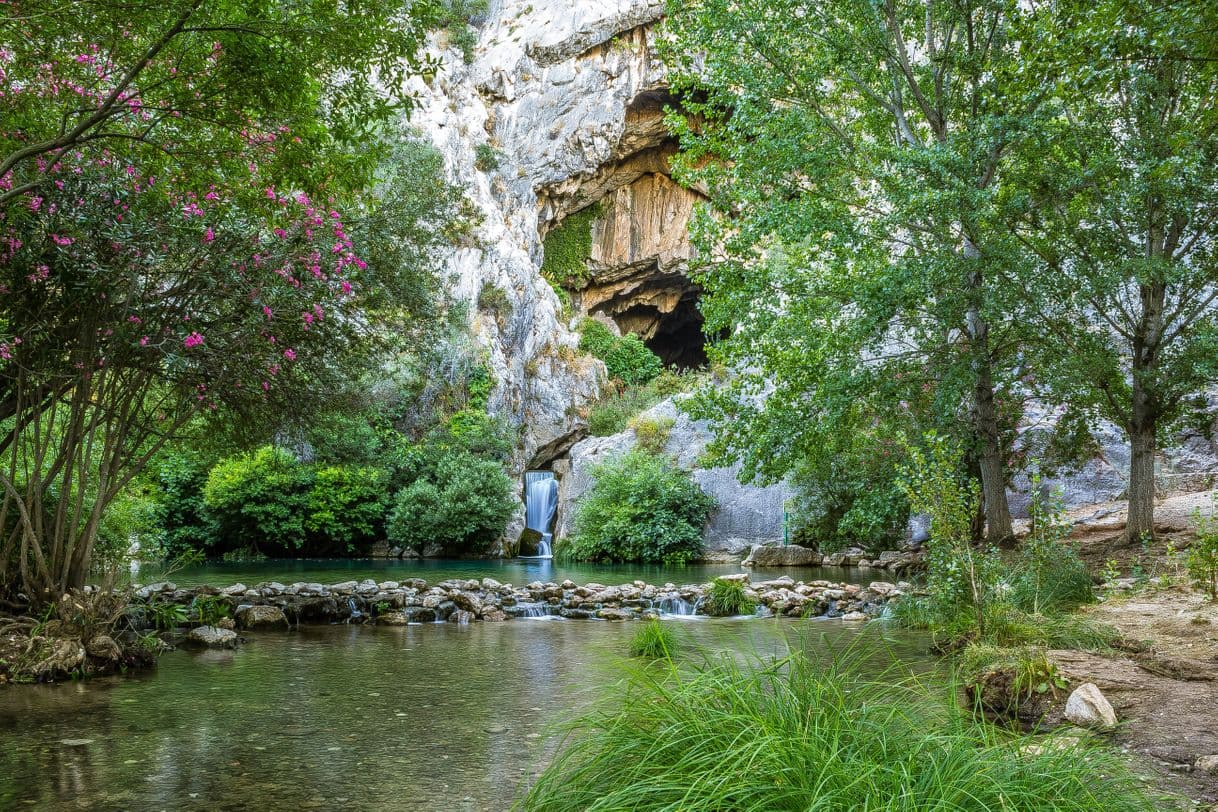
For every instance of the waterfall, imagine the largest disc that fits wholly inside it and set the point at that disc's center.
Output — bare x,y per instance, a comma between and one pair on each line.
540,505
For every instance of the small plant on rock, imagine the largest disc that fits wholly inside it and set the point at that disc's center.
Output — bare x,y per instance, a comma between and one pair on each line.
210,609
727,598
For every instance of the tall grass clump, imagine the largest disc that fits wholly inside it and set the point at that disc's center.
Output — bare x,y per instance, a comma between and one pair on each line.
726,598
798,734
653,641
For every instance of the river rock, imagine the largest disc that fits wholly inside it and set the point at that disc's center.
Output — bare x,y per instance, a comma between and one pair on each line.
1089,708
211,637
461,616
467,601
392,619
494,615
792,555
103,647
250,617
234,591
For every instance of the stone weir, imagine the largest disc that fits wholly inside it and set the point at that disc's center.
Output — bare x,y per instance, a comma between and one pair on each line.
463,601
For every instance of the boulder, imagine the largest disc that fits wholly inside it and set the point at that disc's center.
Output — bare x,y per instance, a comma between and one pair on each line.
1207,764
461,616
792,555
210,637
250,617
467,601
854,616
234,591
392,619
103,647
1088,708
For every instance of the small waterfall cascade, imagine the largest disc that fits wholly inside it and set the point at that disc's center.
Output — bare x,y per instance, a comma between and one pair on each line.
540,505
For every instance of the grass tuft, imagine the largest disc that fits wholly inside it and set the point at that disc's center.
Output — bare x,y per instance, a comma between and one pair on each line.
654,641
802,734
728,598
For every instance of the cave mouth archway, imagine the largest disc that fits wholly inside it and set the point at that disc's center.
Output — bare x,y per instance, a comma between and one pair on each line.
676,336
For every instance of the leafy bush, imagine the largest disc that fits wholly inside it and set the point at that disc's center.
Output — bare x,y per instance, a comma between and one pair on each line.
728,598
626,357
849,494
1049,576
486,157
185,522
210,609
640,508
462,505
494,300
457,16
962,580
814,736
613,413
651,434
260,501
1203,554
346,509
653,641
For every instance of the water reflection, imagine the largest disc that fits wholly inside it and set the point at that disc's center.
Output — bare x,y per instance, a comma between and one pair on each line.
415,718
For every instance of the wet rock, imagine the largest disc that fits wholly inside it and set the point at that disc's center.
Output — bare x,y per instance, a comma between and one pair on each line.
234,591
468,601
210,637
1088,708
250,617
615,614
418,614
491,585
103,647
854,616
226,623
392,619
461,616
344,588
792,555
494,615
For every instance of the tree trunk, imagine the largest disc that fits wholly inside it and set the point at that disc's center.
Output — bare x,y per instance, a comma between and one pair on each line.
990,458
1141,521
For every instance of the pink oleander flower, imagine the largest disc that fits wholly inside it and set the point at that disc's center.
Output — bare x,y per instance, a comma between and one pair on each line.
289,354
209,235
193,340
61,240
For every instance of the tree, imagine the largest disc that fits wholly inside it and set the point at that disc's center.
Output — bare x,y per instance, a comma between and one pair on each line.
1117,198
852,152
172,245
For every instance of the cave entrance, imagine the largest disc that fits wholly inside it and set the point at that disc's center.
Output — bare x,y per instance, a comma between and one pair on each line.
674,334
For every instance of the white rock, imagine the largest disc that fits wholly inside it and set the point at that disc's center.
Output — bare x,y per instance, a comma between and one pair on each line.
1088,708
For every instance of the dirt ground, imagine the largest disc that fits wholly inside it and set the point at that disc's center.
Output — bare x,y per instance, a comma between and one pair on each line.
1163,686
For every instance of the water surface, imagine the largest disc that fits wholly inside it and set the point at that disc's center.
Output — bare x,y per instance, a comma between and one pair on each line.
431,717
517,571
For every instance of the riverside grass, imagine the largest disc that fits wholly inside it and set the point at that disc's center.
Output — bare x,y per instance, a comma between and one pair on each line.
814,735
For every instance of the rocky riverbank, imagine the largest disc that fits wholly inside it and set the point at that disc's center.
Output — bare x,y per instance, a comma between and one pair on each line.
464,601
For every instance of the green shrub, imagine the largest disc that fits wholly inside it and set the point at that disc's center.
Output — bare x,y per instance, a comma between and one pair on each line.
1203,554
728,598
1049,576
651,434
468,431
626,357
494,300
799,735
346,509
260,501
486,157
613,413
185,522
462,505
653,641
1029,666
639,509
963,580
